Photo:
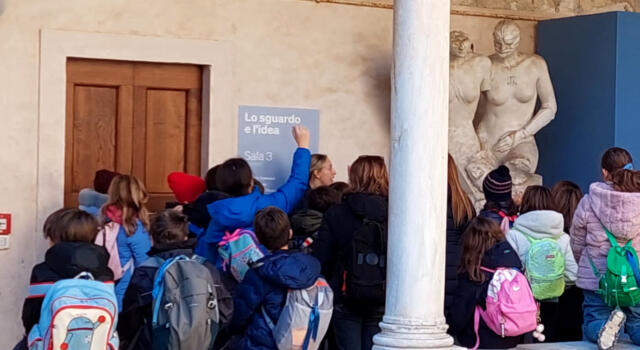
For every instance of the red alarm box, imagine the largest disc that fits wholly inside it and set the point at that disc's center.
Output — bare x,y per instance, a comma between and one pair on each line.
5,224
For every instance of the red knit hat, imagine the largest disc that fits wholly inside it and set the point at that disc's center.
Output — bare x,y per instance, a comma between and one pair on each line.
186,188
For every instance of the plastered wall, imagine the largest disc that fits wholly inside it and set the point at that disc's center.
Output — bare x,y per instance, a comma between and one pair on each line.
285,53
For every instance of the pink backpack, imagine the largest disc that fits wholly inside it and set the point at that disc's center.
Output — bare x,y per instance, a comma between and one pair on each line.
107,237
511,309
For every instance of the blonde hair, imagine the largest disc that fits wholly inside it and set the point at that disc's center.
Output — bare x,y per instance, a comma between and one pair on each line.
460,203
128,194
317,162
368,174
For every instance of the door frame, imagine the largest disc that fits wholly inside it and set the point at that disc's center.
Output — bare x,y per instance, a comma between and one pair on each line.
56,46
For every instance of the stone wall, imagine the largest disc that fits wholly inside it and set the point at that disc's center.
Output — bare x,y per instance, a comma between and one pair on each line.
290,53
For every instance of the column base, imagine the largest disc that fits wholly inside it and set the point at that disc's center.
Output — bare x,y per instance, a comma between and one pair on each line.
398,333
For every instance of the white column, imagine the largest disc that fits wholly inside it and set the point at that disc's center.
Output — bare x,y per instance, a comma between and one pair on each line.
418,190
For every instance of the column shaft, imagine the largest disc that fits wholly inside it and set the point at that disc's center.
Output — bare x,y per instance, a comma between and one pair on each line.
418,189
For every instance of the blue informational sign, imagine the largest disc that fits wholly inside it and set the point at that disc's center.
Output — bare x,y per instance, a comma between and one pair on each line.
266,142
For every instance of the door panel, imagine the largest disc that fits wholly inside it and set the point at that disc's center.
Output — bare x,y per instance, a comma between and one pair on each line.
136,118
165,139
94,133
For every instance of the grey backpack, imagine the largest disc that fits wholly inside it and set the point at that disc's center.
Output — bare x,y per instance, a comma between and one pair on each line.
304,320
185,307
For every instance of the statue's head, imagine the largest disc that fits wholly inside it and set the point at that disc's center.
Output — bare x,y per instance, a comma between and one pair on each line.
460,44
506,38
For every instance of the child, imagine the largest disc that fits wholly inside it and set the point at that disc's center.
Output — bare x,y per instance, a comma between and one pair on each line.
567,195
169,231
306,222
126,207
92,199
483,244
497,191
264,289
609,214
235,178
71,233
340,186
538,220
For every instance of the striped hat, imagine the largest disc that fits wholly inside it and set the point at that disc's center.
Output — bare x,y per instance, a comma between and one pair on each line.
497,185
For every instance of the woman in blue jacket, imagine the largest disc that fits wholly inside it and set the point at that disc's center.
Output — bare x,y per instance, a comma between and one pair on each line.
235,178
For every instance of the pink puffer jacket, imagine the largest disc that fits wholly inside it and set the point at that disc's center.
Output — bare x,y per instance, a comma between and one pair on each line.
619,212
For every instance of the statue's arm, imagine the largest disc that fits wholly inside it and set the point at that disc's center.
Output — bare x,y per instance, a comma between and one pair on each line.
548,106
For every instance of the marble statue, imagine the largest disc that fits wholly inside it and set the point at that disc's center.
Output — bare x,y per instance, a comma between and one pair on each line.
507,119
468,78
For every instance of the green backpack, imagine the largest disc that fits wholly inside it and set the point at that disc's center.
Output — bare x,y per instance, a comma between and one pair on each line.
619,285
544,268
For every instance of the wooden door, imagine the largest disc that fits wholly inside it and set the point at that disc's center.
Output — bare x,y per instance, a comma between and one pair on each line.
135,118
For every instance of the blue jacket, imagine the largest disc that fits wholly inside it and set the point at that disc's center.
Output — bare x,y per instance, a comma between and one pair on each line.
132,248
266,287
238,212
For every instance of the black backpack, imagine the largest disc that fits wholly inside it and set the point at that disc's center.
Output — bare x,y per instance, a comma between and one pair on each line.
366,264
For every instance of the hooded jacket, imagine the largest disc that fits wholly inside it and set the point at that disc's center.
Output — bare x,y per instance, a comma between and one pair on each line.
333,246
619,212
64,260
470,293
540,224
135,318
238,212
265,288
197,212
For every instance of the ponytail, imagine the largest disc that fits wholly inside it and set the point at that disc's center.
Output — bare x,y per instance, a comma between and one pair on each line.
626,180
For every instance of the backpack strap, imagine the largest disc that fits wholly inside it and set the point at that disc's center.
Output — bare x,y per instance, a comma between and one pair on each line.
158,286
612,238
153,262
314,323
593,265
487,270
267,319
39,290
476,326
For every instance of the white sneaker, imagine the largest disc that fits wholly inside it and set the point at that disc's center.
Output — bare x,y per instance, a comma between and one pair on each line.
608,335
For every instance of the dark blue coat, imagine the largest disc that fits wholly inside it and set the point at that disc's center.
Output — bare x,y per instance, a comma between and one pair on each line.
266,287
238,212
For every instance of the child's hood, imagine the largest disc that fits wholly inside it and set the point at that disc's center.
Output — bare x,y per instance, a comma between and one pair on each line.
306,220
501,255
617,211
539,224
68,259
292,270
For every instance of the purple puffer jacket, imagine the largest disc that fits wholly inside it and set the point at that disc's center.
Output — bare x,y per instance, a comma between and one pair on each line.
619,212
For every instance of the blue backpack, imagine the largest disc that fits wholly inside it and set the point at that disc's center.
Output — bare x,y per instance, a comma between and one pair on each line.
76,314
238,250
